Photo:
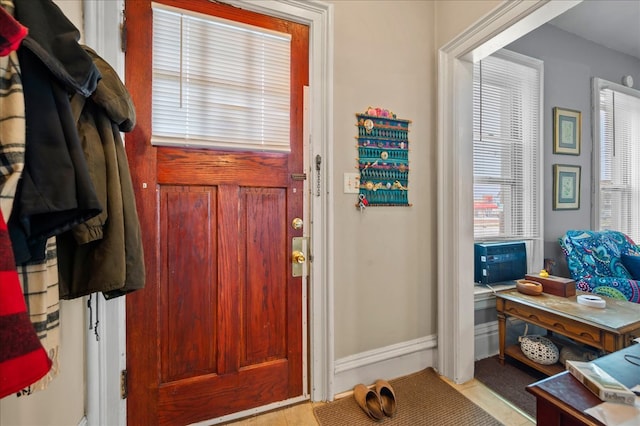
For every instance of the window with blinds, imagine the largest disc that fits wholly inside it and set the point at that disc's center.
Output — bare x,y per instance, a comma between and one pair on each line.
617,141
218,83
507,148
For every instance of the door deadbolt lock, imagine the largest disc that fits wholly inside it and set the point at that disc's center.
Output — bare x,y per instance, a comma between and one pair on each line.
297,223
298,256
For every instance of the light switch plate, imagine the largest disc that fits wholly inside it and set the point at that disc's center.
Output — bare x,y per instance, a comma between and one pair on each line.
351,183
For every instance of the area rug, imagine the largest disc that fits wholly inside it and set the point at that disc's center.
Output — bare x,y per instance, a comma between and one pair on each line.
421,398
509,381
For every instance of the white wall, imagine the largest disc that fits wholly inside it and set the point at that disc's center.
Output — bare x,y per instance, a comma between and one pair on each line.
63,402
385,278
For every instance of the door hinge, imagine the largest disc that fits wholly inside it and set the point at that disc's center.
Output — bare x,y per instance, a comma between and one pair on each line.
123,33
123,384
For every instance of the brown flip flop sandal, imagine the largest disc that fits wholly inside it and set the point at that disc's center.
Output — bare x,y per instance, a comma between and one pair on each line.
369,401
387,397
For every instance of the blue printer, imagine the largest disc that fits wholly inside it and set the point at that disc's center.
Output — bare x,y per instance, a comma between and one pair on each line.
499,261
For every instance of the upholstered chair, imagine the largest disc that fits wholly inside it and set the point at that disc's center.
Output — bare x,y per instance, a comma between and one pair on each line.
606,263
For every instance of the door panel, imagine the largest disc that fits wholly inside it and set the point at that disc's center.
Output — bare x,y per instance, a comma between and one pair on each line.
187,314
262,333
218,327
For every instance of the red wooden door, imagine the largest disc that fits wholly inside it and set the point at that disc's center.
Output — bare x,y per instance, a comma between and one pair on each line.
218,328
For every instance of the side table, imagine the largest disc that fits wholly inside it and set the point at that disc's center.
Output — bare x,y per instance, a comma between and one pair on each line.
609,329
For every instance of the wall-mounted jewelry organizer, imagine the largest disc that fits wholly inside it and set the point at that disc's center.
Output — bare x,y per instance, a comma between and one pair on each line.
383,159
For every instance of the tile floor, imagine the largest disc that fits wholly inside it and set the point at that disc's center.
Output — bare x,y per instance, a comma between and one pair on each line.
302,414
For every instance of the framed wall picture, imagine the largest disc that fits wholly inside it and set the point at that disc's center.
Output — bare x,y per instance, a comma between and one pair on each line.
566,131
566,187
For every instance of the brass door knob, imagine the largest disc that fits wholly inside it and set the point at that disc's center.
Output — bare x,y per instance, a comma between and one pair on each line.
298,257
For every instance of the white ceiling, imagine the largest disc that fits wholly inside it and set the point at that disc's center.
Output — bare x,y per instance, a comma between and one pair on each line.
611,23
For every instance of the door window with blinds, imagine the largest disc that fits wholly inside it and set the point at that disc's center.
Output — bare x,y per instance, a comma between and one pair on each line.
616,158
218,83
507,150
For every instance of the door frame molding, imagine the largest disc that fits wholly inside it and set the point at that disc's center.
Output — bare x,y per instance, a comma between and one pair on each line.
107,357
503,25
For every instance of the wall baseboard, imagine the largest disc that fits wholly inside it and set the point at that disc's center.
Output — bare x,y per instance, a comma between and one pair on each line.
486,340
387,363
408,357
83,421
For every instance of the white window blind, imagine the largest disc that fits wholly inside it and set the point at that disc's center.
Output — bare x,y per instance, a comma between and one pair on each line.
219,83
507,149
618,143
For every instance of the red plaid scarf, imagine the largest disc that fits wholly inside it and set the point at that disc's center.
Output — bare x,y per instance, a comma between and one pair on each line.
23,360
11,33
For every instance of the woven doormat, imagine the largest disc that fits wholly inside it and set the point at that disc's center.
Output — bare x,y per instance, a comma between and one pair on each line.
422,399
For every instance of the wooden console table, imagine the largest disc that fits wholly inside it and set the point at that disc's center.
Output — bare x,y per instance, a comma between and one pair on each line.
562,400
609,329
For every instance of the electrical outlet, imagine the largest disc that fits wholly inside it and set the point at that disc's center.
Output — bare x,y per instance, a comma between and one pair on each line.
351,183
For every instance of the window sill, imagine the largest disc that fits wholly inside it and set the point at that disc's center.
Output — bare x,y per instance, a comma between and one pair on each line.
484,296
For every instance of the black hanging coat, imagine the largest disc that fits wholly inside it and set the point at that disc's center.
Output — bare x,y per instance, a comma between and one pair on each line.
55,191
